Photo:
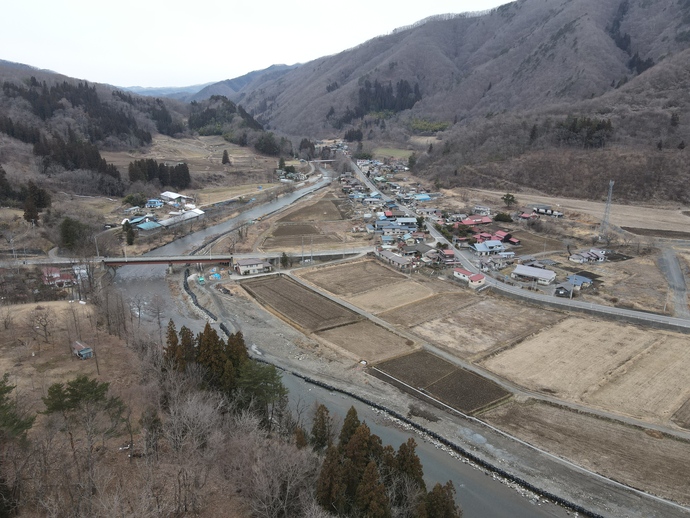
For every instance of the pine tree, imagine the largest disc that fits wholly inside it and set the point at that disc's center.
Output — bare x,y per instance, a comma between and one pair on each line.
30,210
330,487
322,429
350,425
226,157
173,351
370,498
357,454
187,348
408,462
440,502
211,354
236,350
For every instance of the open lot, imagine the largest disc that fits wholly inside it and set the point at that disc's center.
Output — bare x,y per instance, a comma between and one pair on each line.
649,461
391,296
353,278
476,330
619,368
299,243
294,229
367,341
305,308
452,385
429,308
35,362
326,209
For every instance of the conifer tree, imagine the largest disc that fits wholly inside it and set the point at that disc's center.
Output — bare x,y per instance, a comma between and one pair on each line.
350,425
371,499
187,348
408,463
30,210
236,350
211,353
322,429
330,487
440,502
226,157
173,351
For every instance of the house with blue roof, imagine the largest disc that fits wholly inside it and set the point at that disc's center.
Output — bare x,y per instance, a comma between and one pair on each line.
579,281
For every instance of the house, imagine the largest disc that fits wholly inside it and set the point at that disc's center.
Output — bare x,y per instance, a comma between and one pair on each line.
149,225
564,290
394,260
528,273
183,217
154,204
252,266
476,220
422,197
482,210
81,351
490,247
579,281
55,277
594,255
175,198
448,256
419,248
474,280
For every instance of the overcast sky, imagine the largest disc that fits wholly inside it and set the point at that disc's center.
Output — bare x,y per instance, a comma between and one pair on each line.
175,43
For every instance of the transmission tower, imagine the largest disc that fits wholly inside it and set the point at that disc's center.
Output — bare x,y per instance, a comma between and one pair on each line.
607,213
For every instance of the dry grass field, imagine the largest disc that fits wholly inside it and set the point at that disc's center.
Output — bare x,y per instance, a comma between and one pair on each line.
478,329
352,278
430,308
367,341
619,368
326,209
647,461
456,387
391,296
305,308
35,363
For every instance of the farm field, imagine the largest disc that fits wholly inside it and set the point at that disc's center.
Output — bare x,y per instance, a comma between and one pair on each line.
326,209
299,243
305,308
488,324
647,461
295,229
456,387
430,308
616,367
352,278
367,341
390,296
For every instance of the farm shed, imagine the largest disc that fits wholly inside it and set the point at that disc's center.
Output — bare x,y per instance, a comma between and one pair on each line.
252,266
81,350
395,260
529,273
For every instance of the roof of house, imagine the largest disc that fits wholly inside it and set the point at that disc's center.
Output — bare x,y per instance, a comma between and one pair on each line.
149,225
579,280
248,262
395,258
476,277
462,271
537,273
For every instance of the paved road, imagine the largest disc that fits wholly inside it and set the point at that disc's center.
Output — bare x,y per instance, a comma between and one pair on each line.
670,267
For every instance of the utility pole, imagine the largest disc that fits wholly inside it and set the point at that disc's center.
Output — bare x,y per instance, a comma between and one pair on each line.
607,213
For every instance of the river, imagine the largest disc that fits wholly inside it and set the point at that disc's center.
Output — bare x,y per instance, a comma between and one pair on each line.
479,494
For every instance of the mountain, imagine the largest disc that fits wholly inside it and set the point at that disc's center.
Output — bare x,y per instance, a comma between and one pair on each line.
233,88
521,56
174,92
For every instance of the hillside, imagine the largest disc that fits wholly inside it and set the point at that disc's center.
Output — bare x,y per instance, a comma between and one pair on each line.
521,56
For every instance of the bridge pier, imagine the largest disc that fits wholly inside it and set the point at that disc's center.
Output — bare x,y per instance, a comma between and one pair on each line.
170,268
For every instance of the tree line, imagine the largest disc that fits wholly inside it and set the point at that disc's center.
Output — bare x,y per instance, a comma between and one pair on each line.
378,97
148,170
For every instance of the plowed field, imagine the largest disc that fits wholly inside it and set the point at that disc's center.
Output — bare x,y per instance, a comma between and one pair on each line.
353,278
456,387
307,309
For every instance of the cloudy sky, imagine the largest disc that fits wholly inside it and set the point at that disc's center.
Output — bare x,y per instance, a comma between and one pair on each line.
175,43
